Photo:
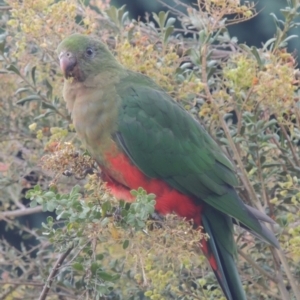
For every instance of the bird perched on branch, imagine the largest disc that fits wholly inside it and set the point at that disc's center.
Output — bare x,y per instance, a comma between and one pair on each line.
141,137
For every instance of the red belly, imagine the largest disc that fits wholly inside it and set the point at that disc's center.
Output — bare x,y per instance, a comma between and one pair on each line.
122,176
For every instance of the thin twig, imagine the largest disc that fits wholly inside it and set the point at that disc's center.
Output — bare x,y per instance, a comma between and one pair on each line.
78,252
295,156
145,281
33,87
246,181
239,124
281,285
21,227
53,273
261,287
256,266
14,282
288,272
244,177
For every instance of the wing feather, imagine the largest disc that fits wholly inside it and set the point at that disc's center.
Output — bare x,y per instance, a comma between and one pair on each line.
165,142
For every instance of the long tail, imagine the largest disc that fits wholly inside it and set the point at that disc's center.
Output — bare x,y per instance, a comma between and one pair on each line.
220,250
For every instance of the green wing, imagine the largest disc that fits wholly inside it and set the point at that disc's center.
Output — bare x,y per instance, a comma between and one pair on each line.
165,142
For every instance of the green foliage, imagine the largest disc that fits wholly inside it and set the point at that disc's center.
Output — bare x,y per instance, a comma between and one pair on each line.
82,220
96,266
247,97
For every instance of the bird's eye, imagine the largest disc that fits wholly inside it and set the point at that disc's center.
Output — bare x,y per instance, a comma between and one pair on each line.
89,52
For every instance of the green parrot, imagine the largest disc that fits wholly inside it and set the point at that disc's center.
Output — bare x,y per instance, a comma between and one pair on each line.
141,137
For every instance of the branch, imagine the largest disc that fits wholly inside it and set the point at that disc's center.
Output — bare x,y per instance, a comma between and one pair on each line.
5,7
248,186
256,266
13,282
288,272
20,212
53,273
261,287
286,136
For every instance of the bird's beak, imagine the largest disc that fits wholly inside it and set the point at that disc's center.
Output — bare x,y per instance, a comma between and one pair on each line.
67,62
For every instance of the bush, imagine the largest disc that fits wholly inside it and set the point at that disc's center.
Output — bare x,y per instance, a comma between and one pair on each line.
98,248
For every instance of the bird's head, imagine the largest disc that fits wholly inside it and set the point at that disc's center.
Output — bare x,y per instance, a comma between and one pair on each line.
81,56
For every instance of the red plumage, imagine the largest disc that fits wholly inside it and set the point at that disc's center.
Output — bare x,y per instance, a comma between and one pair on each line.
122,176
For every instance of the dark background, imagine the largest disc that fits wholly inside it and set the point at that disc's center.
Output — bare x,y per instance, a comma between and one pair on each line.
253,32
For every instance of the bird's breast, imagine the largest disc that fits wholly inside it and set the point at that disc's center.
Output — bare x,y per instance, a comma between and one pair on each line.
94,114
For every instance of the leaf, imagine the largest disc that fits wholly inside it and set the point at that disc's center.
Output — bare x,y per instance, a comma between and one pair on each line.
13,69
94,268
134,193
21,90
124,17
170,22
117,15
106,206
125,244
2,46
51,206
46,114
49,87
33,74
29,99
77,266
107,277
49,219
48,105
293,36
99,256
162,18
257,56
168,32
33,203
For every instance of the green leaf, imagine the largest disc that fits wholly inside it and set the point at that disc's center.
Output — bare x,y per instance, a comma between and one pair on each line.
48,105
107,277
257,56
99,256
51,206
106,206
77,266
33,74
293,36
21,90
2,46
13,69
162,18
94,268
46,114
33,203
49,87
118,16
168,32
170,22
49,219
134,193
124,17
125,244
29,99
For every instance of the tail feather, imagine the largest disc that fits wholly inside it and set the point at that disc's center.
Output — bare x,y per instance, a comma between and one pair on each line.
260,215
265,234
220,255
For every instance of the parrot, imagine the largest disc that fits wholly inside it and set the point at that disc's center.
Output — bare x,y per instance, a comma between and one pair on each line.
141,137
